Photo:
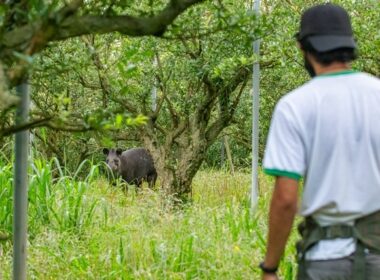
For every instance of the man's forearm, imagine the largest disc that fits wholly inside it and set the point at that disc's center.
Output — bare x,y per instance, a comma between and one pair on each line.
282,212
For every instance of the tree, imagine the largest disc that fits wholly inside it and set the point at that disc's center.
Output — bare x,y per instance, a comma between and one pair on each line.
201,76
27,27
103,82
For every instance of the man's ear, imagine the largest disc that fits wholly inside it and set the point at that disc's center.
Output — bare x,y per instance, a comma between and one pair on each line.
299,46
106,151
119,151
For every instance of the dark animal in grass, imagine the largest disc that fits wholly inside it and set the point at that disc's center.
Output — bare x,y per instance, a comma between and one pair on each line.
134,166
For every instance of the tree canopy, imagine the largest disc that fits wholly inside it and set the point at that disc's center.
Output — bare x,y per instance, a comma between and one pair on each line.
93,68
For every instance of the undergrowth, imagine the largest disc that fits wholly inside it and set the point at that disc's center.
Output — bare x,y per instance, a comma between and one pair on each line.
85,228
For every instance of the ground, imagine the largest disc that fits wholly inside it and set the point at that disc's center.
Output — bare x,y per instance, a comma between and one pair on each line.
91,230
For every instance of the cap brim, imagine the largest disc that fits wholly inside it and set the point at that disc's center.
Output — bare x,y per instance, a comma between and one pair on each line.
324,43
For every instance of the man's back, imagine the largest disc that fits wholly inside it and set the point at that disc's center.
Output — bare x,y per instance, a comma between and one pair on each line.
326,131
336,119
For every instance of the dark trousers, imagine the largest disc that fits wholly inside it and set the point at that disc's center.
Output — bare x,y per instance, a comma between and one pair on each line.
341,269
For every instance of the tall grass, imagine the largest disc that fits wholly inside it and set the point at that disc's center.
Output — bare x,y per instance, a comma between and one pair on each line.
6,195
88,229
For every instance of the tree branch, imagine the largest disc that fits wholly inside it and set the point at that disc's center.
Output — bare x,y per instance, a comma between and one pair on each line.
50,144
128,25
74,26
31,38
162,86
29,125
203,111
170,137
87,84
124,103
226,116
103,80
235,103
68,127
105,85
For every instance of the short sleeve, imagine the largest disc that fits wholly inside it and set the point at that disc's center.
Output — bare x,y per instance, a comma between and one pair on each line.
285,150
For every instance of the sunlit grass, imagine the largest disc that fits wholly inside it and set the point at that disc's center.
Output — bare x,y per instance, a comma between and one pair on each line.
89,229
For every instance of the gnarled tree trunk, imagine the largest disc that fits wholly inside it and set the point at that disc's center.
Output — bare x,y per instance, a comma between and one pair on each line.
179,151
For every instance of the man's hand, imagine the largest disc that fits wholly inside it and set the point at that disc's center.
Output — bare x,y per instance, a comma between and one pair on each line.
269,276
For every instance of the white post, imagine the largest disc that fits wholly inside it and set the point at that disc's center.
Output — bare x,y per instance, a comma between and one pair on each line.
154,88
20,193
255,117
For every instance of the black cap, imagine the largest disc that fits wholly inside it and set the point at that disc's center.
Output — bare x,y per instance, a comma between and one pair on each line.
327,27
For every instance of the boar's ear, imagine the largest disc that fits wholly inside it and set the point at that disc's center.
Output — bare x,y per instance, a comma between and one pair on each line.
119,151
106,151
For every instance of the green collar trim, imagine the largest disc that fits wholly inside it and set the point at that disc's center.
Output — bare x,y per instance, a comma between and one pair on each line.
344,72
282,173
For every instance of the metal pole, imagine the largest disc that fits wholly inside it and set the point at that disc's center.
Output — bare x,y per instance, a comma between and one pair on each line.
154,89
255,117
222,155
20,196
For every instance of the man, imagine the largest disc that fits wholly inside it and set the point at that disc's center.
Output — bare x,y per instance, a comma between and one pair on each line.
327,131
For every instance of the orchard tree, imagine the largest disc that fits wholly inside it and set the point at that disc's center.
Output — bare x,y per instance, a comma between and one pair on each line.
27,27
198,69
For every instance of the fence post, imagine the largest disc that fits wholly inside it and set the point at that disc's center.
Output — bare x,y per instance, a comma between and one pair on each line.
20,192
255,117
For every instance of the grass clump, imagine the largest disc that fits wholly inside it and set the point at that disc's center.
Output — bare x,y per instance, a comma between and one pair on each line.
88,229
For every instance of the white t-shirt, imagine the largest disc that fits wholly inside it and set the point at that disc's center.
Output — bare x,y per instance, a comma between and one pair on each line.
328,131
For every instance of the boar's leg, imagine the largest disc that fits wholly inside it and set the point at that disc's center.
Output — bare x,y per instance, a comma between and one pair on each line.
151,178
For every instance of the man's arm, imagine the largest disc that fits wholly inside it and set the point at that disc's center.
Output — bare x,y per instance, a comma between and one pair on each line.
282,212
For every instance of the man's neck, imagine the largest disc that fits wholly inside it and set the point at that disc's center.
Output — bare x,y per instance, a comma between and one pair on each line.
334,67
